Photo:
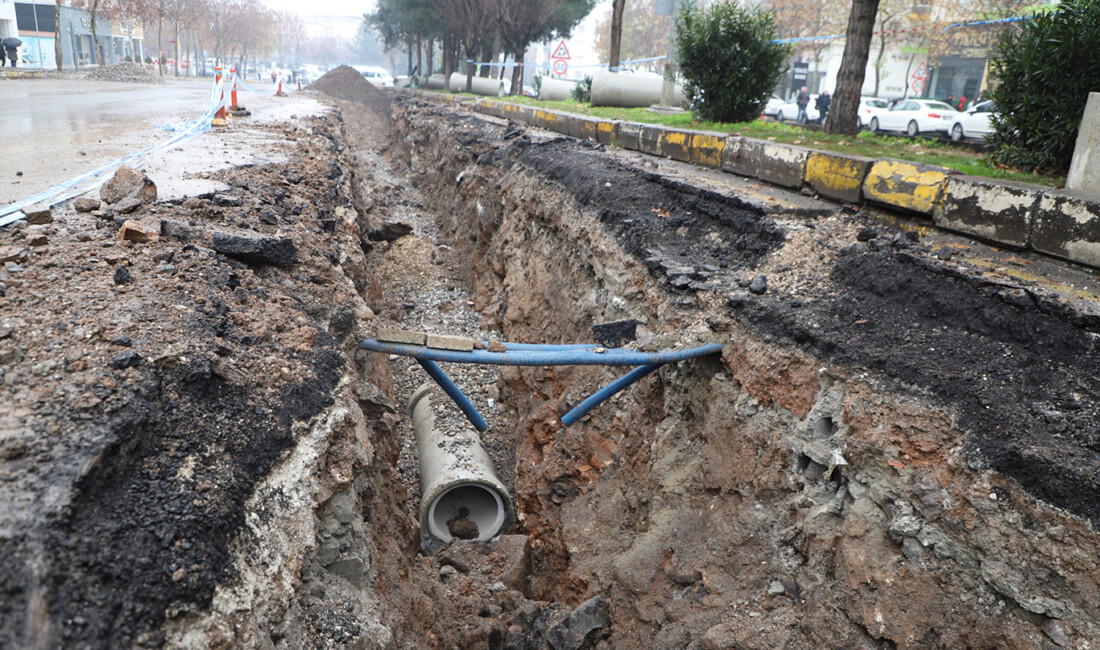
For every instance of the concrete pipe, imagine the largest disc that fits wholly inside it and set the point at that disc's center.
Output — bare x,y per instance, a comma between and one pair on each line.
630,90
460,495
556,89
436,81
481,86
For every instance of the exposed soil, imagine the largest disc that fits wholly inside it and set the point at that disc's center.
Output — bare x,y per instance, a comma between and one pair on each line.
894,449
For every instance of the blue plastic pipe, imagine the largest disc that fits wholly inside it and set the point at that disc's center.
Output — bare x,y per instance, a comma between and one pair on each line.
541,356
607,391
455,393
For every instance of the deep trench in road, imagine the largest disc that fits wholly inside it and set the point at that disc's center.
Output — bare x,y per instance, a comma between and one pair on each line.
894,448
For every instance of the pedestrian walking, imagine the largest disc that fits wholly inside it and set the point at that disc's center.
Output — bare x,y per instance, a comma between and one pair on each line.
11,48
824,100
273,77
803,100
3,57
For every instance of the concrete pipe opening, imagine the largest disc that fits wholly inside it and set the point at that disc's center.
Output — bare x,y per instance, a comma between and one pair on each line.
460,494
480,505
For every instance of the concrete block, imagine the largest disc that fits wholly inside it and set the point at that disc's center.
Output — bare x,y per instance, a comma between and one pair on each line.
649,139
518,112
675,144
445,342
837,176
486,106
607,131
38,214
731,153
1067,224
545,119
904,185
781,164
707,149
405,337
630,136
139,231
589,128
1084,169
995,210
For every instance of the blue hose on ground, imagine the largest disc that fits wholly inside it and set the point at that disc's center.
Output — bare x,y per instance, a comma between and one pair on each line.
530,354
555,356
464,404
607,391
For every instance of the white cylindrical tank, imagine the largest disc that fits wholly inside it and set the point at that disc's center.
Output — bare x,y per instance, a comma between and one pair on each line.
459,491
630,89
481,85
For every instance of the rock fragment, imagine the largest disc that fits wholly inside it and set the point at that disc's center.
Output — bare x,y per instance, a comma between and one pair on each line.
38,214
86,205
125,359
759,285
615,333
122,275
572,633
391,230
275,251
128,183
138,231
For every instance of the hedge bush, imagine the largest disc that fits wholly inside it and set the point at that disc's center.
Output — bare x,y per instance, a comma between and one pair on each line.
729,64
1044,75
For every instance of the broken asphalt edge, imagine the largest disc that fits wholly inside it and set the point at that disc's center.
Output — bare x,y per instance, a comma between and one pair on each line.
1022,216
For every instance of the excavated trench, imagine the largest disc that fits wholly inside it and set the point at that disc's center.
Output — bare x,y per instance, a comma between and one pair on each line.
893,449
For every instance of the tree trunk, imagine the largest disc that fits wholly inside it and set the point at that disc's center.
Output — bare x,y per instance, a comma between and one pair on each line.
617,32
431,58
844,116
517,75
409,56
176,54
419,57
160,46
57,34
95,35
471,51
878,61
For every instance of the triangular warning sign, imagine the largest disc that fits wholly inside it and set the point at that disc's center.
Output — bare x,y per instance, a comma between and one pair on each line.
922,71
560,52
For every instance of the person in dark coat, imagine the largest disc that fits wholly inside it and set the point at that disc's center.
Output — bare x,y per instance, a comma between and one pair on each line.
11,48
803,100
824,100
3,57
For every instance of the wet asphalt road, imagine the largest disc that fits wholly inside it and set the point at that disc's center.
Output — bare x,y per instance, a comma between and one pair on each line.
54,129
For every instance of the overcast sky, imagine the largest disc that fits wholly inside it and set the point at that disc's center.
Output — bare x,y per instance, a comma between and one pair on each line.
323,7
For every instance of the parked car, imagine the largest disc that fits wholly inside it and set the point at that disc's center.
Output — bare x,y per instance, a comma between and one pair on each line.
377,75
789,111
973,123
914,116
870,107
772,106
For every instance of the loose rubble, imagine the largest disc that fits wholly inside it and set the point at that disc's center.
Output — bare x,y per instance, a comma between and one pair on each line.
126,72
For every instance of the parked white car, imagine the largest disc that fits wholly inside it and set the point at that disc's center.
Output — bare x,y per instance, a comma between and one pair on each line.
914,116
377,75
870,107
789,111
773,105
973,123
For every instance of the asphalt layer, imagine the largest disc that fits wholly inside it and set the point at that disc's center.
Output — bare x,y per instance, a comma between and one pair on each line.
1018,364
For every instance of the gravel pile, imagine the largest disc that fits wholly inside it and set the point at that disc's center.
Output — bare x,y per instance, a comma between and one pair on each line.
126,72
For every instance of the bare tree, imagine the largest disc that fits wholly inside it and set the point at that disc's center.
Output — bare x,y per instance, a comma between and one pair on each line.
844,116
471,21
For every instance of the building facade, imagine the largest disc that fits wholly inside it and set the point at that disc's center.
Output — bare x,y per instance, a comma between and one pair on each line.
33,22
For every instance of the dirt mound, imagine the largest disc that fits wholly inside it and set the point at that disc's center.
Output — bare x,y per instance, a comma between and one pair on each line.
133,73
345,83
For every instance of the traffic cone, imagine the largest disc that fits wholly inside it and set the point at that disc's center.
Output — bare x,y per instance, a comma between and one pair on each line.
235,109
219,116
279,91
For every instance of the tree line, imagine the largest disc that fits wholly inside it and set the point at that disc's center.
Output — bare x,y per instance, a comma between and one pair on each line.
225,30
464,31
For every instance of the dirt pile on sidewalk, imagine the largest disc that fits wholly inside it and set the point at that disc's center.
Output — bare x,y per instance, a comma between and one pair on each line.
133,73
345,83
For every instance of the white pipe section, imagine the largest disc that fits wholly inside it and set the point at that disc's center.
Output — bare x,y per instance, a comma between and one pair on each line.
437,81
630,90
481,86
556,89
459,491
